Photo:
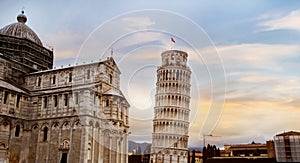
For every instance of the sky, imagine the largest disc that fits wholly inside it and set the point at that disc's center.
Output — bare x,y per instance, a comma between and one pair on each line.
244,56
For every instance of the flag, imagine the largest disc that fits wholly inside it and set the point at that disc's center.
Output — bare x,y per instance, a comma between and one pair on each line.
173,40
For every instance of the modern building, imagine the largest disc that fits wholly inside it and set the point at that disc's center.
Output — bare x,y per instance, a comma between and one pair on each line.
287,146
252,149
171,111
245,153
72,114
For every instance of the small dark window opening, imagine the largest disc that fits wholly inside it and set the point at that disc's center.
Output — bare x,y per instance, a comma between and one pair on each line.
45,136
55,101
4,45
110,79
17,132
39,81
18,100
121,114
107,103
76,98
172,56
70,77
88,74
45,102
5,97
53,79
66,99
64,157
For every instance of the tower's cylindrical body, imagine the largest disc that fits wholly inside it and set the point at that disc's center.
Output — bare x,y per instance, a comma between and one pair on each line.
171,111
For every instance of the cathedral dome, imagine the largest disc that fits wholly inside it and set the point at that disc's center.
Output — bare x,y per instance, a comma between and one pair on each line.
21,30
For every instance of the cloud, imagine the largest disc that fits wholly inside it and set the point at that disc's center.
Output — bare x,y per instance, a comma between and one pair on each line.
257,72
269,117
257,56
67,43
133,23
260,89
290,22
257,86
137,40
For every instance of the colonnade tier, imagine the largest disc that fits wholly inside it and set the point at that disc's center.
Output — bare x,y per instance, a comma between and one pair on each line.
164,121
173,74
173,95
172,101
170,141
168,134
180,137
173,87
172,108
177,128
162,114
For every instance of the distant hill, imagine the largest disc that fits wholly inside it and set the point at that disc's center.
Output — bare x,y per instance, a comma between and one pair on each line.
145,148
140,148
195,148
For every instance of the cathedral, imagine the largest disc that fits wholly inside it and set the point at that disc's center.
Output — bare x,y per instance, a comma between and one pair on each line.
68,114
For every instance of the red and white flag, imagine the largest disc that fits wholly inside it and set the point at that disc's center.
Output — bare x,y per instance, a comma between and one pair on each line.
173,40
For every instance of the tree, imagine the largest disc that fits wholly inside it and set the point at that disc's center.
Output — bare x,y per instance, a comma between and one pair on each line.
204,154
188,157
218,153
210,151
194,156
214,151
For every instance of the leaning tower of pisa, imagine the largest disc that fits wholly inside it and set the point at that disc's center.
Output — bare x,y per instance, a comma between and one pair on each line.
171,111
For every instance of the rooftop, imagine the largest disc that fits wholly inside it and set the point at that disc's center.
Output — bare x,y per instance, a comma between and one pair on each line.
21,30
289,133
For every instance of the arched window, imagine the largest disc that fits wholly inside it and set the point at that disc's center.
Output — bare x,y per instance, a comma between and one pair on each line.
107,103
70,76
18,101
55,100
45,136
53,79
88,74
110,79
39,81
76,98
66,98
64,157
45,102
5,97
17,132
